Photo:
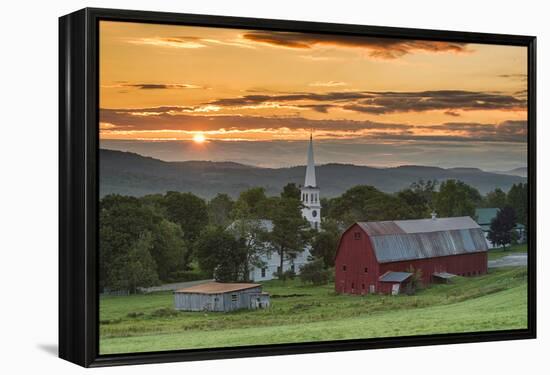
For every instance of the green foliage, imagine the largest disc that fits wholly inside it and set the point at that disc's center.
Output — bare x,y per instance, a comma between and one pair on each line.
496,198
366,203
221,254
517,199
190,213
136,268
315,272
502,231
455,198
219,210
291,232
290,190
419,197
325,242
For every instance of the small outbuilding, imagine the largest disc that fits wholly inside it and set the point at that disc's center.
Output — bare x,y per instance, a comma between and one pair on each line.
215,296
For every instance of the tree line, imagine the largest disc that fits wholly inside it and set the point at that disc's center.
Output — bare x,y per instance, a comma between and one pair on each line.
179,236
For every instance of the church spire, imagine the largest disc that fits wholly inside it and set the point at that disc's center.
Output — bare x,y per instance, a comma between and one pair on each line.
310,169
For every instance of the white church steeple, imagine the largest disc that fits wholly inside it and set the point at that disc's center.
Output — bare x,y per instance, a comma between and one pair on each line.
311,199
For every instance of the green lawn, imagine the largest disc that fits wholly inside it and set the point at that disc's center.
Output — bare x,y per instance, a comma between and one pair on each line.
306,313
494,254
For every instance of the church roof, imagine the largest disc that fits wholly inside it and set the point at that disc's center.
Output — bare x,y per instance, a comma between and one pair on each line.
310,169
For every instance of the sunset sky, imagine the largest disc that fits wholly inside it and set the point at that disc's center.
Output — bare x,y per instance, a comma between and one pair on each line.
252,96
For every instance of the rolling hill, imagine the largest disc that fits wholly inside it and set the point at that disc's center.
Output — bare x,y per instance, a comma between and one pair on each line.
132,174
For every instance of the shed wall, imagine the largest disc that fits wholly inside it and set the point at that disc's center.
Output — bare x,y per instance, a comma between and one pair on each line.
214,302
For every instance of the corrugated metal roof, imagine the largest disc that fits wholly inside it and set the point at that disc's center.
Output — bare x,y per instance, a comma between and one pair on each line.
381,228
378,228
396,277
215,288
407,246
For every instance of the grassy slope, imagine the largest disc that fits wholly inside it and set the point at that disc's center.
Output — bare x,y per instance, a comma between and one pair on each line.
494,254
492,302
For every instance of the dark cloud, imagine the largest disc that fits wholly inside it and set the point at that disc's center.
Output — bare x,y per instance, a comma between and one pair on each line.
377,103
162,86
520,77
387,48
173,118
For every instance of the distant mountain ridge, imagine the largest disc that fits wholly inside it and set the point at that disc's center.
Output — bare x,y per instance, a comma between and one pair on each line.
133,174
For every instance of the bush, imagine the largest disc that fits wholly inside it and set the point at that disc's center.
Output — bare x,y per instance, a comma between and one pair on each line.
165,312
315,272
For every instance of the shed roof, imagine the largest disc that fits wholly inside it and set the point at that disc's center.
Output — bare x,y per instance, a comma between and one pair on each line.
444,275
399,240
215,288
396,277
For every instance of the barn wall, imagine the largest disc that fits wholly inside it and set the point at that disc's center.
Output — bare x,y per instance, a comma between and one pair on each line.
463,265
355,255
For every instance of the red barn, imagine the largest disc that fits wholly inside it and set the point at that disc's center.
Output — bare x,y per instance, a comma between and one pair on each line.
376,256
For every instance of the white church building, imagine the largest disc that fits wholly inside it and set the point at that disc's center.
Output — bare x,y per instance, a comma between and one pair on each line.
311,211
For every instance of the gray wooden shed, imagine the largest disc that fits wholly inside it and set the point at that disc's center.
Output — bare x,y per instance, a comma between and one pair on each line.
214,296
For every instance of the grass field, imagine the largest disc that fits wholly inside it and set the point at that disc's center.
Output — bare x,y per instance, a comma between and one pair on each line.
494,254
300,313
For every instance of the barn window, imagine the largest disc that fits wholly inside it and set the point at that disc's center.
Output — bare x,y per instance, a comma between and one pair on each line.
363,286
344,267
352,286
233,298
292,268
263,272
357,235
366,270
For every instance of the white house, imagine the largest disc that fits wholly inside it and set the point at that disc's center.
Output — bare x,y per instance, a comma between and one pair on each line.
311,211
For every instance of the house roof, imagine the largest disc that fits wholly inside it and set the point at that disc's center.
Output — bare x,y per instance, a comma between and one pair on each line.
264,224
399,240
396,277
485,215
216,288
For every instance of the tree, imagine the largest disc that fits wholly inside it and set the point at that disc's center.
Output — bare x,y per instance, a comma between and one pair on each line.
495,198
290,190
168,249
254,201
219,210
190,212
455,198
325,242
123,222
136,268
419,197
315,272
221,254
517,199
502,227
366,203
291,232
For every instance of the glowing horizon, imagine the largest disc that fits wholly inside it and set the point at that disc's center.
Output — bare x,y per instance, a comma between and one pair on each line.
167,82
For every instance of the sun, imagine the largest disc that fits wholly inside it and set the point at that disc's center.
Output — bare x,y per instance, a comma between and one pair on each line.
199,138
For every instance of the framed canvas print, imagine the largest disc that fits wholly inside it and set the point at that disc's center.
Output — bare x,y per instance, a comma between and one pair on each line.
237,187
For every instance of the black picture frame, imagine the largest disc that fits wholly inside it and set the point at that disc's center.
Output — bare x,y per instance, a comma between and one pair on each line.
79,193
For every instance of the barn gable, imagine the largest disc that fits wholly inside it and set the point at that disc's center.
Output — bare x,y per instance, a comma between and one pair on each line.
400,240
